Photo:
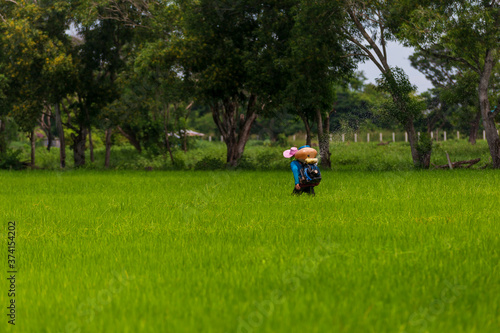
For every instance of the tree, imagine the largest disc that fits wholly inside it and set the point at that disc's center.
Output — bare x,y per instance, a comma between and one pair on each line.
456,88
317,63
372,22
356,103
231,51
34,59
151,95
3,112
99,56
464,33
151,85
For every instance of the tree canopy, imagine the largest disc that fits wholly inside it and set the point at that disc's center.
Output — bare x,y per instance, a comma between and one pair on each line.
147,70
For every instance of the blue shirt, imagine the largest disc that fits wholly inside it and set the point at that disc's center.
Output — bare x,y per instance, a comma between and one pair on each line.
296,166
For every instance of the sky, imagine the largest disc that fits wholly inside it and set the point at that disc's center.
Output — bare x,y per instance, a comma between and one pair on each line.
397,55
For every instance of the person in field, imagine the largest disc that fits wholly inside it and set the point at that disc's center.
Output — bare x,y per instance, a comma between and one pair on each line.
305,170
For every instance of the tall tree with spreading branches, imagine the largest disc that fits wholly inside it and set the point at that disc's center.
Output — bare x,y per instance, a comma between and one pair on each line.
467,34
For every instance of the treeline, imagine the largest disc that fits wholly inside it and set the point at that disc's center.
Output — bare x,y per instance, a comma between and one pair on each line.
147,69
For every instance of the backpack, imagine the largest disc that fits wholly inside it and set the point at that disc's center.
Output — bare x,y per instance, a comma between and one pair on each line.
309,175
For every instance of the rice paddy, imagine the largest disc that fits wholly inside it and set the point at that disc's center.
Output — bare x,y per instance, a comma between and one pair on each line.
222,251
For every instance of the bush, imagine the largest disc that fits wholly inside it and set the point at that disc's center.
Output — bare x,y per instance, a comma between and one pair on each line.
246,163
10,160
210,163
179,161
265,159
281,140
142,162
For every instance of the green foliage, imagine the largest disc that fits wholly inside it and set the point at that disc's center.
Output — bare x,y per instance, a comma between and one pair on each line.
464,29
3,86
346,156
464,34
454,103
281,140
246,163
316,60
210,163
403,105
357,106
424,145
10,159
231,52
34,35
140,64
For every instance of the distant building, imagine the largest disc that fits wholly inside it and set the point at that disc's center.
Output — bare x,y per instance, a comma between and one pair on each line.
188,133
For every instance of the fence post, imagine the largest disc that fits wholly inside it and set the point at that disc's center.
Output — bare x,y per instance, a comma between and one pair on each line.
432,135
210,139
458,135
484,135
221,138
444,137
294,137
380,137
406,136
368,137
393,137
343,137
355,137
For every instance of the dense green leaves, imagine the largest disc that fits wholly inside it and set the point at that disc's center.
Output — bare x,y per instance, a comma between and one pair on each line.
466,34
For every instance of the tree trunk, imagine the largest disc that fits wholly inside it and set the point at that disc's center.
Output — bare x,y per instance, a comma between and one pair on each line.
184,141
107,156
420,151
32,137
166,120
49,135
272,135
46,127
91,146
3,138
131,138
79,147
60,133
308,130
324,140
421,159
185,138
474,128
489,118
235,141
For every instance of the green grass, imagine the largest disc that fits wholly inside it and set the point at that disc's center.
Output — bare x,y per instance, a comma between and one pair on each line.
126,251
346,156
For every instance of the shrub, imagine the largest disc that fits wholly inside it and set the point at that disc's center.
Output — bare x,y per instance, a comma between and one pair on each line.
10,160
265,159
281,140
246,163
210,163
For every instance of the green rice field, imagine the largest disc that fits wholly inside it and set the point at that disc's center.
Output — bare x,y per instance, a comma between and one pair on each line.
233,251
